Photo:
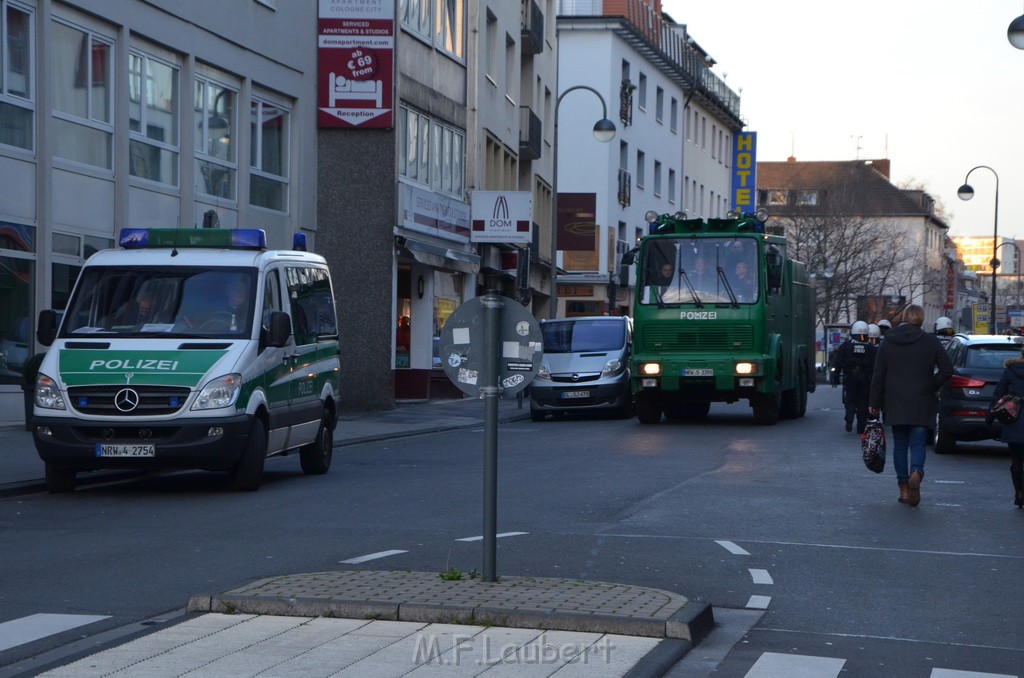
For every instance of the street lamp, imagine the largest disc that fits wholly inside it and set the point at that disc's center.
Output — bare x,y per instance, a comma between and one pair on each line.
1015,32
604,131
965,192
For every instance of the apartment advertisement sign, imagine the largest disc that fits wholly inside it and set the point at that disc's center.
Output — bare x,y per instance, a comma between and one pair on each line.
502,217
744,172
355,59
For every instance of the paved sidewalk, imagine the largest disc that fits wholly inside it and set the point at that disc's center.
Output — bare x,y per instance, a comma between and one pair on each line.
390,623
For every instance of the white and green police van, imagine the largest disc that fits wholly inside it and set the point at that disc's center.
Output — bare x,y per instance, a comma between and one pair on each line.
190,349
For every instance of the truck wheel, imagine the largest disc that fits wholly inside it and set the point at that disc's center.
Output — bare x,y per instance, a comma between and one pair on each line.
766,409
537,415
315,458
247,472
648,408
59,479
794,402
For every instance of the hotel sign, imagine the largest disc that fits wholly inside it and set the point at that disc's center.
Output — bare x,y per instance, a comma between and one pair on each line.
502,217
744,172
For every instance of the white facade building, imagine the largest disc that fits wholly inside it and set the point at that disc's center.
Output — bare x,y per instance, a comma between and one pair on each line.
676,123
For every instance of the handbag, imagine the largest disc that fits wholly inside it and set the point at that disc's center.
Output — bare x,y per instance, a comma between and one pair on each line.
872,443
1007,409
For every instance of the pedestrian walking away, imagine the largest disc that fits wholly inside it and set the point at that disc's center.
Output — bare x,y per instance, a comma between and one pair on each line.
854,360
1012,382
910,367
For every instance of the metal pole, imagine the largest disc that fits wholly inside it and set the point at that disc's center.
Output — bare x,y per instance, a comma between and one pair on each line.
492,315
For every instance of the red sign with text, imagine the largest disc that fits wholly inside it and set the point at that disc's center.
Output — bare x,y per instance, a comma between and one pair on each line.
356,45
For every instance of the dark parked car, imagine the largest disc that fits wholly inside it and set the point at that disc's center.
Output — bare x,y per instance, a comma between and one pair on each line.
964,399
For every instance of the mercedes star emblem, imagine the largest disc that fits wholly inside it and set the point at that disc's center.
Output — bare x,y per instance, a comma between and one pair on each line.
126,400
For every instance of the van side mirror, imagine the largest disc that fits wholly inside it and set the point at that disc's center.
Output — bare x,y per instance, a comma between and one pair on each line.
280,329
46,330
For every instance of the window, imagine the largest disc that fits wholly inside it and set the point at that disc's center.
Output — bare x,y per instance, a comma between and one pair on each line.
491,47
450,26
807,198
313,315
16,77
431,152
216,124
82,87
415,15
714,141
641,93
641,160
659,104
152,119
268,155
673,115
689,127
672,186
777,197
657,178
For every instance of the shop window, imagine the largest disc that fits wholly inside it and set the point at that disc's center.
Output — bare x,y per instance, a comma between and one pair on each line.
16,275
446,299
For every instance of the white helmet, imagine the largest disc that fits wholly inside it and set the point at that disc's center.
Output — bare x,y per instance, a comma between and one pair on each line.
873,331
943,323
884,325
860,327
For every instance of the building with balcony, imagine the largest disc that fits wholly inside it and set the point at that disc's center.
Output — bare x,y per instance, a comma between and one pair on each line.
676,124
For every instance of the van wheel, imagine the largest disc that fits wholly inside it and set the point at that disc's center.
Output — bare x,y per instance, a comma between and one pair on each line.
247,472
315,458
59,479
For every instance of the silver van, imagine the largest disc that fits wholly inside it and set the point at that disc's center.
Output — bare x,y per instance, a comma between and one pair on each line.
585,367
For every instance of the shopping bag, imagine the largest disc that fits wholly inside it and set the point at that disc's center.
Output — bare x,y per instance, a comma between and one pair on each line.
1007,408
872,443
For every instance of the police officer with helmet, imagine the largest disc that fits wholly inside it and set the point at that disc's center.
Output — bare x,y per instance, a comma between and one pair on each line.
874,334
855,359
944,329
884,326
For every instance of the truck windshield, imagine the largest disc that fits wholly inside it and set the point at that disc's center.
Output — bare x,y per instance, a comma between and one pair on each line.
691,270
148,301
574,336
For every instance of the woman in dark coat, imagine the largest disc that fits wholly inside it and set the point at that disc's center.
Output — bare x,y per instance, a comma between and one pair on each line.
1012,381
905,386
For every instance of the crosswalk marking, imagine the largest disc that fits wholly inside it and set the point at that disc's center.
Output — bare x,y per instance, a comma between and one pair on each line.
953,673
772,664
761,577
758,602
498,536
33,627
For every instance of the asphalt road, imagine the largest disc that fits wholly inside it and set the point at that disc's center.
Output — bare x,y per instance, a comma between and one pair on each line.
783,519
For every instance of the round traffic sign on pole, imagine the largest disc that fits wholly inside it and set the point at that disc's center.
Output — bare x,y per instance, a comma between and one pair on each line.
463,350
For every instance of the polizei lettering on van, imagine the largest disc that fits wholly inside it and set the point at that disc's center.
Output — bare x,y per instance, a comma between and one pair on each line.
87,367
698,315
135,364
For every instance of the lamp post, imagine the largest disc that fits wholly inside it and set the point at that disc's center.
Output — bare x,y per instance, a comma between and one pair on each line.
1015,32
965,192
604,131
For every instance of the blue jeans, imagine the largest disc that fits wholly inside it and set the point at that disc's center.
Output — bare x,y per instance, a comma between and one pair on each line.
904,436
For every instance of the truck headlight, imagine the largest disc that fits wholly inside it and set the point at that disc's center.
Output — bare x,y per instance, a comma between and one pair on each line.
221,392
48,394
745,368
650,369
611,368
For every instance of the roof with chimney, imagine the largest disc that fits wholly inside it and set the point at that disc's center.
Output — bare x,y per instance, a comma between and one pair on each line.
840,187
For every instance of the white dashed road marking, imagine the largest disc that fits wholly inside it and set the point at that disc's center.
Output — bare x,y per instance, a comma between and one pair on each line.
732,548
27,629
372,556
953,673
761,577
499,536
759,603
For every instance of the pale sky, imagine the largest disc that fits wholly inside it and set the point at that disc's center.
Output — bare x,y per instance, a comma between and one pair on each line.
933,85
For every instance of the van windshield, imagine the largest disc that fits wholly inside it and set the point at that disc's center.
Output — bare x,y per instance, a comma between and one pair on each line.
146,301
574,336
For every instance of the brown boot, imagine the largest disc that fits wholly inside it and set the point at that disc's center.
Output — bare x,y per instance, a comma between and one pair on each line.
914,489
904,493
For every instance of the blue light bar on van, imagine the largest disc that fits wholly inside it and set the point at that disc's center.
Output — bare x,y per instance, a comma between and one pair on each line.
237,238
